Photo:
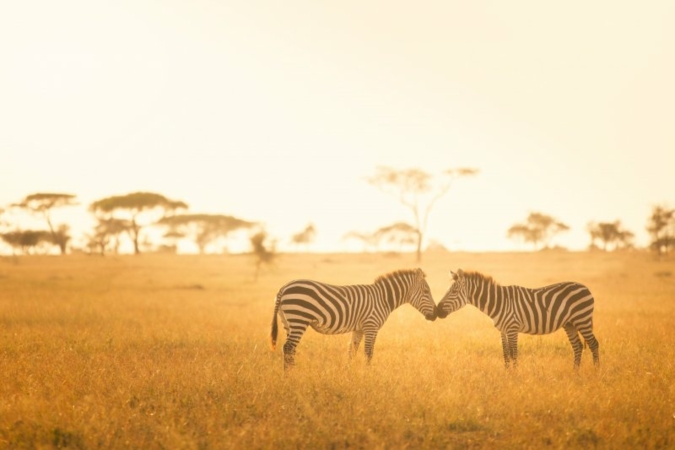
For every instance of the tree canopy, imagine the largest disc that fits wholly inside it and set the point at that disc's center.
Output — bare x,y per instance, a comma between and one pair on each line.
204,229
610,234
304,237
136,202
42,204
135,205
106,234
26,240
538,229
661,228
399,233
368,239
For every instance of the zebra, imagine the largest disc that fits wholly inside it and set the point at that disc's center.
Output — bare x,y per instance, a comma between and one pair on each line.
517,309
359,309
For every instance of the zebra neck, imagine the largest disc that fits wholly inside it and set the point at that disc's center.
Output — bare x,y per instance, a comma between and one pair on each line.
484,296
389,295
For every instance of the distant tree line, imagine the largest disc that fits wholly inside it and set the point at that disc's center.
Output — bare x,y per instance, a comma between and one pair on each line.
118,217
538,229
127,217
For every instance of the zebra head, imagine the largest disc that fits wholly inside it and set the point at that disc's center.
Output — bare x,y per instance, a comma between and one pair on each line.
456,296
419,296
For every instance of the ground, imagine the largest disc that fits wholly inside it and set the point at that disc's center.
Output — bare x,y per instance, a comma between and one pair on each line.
157,351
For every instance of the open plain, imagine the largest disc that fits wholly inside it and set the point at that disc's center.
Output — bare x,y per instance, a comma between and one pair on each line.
172,351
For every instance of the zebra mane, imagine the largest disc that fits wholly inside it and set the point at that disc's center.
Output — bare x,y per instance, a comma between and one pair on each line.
477,276
400,273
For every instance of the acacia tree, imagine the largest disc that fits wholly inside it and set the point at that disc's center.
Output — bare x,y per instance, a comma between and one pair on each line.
140,209
610,233
204,229
42,204
418,191
305,237
368,239
661,227
107,235
26,240
537,229
399,233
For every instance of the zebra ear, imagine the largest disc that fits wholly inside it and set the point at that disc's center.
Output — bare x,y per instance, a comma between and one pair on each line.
460,272
453,275
420,273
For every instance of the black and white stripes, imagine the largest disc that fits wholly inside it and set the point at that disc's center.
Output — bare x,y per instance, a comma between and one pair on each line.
516,309
359,309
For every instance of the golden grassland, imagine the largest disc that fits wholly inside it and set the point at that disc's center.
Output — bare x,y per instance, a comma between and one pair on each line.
173,352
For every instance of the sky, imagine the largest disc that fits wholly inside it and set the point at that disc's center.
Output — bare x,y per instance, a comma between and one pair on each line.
278,112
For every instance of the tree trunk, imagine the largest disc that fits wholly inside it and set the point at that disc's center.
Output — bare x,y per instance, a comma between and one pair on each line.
135,229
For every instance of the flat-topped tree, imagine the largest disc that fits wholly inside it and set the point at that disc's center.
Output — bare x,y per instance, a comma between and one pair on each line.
26,240
106,234
610,234
538,229
139,208
305,237
369,240
205,229
399,233
41,204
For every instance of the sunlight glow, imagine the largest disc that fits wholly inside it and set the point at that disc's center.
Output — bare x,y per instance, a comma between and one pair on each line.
279,113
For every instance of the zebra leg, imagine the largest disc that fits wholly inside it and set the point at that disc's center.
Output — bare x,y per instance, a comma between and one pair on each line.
505,349
296,332
573,336
370,343
355,342
289,354
513,347
592,342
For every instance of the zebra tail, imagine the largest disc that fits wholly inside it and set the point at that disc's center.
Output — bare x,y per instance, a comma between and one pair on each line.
275,327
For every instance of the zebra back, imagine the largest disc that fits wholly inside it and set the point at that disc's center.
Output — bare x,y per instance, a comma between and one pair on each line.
539,310
341,308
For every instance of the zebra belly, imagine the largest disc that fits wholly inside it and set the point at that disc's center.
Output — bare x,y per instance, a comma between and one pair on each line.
535,332
325,329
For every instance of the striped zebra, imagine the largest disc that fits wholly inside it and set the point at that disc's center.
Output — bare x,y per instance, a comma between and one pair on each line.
359,309
517,309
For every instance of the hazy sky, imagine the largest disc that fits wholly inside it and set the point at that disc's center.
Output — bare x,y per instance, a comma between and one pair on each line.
278,111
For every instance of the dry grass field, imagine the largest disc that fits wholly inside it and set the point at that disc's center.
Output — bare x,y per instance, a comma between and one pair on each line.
173,352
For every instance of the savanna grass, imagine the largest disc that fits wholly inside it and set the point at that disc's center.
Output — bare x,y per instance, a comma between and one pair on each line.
173,352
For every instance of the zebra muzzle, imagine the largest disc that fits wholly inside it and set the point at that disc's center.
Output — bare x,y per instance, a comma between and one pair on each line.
441,314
